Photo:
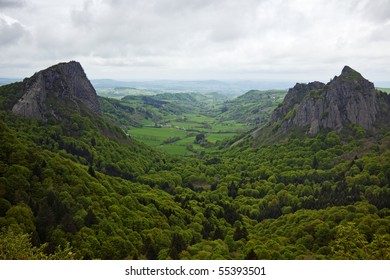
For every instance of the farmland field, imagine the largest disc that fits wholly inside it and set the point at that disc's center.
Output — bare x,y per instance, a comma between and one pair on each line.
173,122
185,131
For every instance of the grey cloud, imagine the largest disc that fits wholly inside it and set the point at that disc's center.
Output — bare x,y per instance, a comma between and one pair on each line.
141,28
373,10
12,3
85,17
208,36
377,11
11,33
174,26
381,33
215,33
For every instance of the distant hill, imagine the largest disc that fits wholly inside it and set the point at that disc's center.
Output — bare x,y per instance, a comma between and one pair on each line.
384,89
6,81
254,107
131,110
226,87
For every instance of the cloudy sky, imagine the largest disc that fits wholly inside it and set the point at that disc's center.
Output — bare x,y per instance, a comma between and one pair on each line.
278,40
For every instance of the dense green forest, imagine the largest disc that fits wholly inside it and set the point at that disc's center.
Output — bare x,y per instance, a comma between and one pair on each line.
80,188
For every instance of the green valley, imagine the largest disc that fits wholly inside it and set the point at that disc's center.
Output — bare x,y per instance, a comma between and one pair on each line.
172,121
77,180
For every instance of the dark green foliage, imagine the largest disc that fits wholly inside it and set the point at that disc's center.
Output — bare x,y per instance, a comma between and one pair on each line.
90,219
5,205
177,246
10,95
251,255
78,188
232,190
240,233
91,171
199,138
315,163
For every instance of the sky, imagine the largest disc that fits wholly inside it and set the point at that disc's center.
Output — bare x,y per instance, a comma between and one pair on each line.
271,40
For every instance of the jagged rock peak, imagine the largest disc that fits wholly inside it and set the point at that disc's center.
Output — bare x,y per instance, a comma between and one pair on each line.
347,70
347,99
66,82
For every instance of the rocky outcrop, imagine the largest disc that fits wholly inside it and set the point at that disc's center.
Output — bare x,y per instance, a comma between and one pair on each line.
64,82
293,97
347,99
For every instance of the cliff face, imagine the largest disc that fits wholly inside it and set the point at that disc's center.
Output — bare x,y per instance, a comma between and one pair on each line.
66,82
293,97
347,99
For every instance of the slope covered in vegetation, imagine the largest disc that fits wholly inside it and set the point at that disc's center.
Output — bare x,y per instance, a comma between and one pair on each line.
79,187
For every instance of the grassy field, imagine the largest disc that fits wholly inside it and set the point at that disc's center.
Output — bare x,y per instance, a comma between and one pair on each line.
155,136
185,130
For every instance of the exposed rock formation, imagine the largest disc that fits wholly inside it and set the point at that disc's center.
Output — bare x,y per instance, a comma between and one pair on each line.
293,97
347,99
66,82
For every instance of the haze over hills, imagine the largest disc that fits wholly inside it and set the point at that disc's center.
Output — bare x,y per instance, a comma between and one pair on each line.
73,185
231,88
5,81
226,87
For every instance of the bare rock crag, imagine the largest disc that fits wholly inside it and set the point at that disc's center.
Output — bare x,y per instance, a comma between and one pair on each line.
66,82
346,99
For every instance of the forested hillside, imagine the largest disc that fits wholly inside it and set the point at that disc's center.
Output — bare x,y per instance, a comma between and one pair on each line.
79,187
254,107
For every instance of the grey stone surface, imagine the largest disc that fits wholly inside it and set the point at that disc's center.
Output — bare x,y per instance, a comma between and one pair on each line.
347,99
65,81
